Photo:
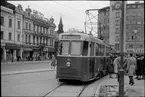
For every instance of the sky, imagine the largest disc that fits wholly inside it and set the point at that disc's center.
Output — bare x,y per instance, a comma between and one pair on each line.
72,12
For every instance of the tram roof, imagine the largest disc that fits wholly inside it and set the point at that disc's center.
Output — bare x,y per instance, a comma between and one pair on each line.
84,36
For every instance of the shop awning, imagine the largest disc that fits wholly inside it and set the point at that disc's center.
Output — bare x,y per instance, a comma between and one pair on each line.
12,46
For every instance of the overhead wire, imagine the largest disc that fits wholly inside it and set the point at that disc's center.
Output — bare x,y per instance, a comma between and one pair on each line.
32,4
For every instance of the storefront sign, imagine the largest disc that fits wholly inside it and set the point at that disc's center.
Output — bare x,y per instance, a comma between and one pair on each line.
27,49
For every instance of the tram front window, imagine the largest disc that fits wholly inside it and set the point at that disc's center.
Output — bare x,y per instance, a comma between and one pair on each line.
76,48
64,48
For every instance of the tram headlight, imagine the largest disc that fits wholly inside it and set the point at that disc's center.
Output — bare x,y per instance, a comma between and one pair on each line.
68,64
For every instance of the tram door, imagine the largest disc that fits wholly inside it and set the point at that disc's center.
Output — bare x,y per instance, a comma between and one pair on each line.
92,60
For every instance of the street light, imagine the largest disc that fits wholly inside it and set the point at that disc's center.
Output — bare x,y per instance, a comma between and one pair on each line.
135,32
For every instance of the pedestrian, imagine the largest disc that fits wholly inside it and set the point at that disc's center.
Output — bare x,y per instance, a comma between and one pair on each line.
142,67
139,68
53,63
131,67
110,68
117,65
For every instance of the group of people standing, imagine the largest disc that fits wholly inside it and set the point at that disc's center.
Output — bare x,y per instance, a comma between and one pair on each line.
131,66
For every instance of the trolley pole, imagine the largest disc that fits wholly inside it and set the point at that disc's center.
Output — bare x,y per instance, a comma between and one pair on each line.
121,71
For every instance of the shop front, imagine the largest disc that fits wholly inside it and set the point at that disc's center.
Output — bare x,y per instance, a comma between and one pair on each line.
12,52
27,53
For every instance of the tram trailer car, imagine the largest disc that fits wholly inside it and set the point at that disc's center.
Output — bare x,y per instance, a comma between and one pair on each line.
81,57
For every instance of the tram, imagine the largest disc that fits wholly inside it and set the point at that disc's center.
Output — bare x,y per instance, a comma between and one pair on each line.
81,57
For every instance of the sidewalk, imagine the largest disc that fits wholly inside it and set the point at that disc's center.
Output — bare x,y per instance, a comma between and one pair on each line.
29,62
10,68
110,88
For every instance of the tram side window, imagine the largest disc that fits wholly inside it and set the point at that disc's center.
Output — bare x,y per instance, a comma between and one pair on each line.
103,50
85,48
92,49
64,48
106,51
97,50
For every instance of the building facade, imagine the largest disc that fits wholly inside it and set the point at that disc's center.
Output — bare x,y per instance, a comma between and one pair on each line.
7,32
25,35
133,31
135,28
103,24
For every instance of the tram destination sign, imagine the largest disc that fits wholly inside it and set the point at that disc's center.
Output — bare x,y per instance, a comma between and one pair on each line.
70,36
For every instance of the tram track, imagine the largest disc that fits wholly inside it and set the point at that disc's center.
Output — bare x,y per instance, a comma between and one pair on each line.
53,90
63,85
76,90
85,86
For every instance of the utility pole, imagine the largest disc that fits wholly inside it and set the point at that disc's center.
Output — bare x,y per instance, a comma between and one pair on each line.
121,71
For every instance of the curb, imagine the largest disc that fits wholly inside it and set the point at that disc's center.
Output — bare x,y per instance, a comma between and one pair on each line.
26,62
25,71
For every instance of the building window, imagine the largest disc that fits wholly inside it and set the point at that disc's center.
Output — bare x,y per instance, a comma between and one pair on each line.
37,39
19,25
117,30
43,30
117,14
29,26
2,35
51,42
43,40
132,37
40,40
117,38
117,22
26,25
26,39
117,46
46,41
18,37
133,22
10,36
10,22
29,39
2,20
130,46
40,29
33,39
37,28
50,31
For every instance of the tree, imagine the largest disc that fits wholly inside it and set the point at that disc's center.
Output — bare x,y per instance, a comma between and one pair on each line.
60,27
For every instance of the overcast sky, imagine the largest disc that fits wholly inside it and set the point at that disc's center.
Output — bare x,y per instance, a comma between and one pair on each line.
72,12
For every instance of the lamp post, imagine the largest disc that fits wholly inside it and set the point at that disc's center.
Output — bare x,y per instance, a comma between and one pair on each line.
135,32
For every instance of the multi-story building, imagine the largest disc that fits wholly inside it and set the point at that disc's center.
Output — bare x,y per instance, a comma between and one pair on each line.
38,36
7,31
18,23
135,28
134,16
103,24
43,36
25,34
